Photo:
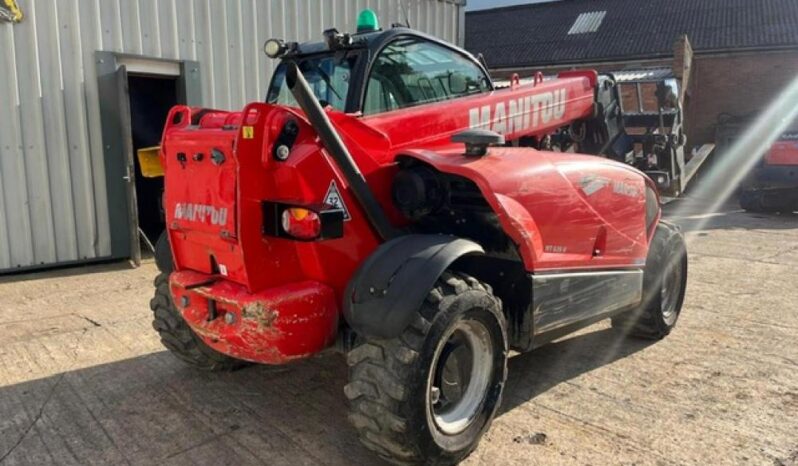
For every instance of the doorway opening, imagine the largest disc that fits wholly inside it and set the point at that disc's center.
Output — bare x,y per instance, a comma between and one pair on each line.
151,98
136,94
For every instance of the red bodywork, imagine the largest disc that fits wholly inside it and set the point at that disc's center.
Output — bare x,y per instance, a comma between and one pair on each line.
783,153
561,210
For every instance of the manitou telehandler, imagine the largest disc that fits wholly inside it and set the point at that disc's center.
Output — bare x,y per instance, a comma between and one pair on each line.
377,203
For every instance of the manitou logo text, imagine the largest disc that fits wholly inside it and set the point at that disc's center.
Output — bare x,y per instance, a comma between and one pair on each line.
201,213
625,189
520,114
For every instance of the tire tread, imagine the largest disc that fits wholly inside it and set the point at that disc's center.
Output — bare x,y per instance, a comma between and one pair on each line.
378,371
642,322
178,337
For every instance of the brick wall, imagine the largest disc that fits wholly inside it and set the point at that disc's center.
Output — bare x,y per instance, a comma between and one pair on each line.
739,83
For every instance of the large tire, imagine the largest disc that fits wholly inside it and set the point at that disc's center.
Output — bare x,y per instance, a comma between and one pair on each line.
397,390
163,254
178,337
751,201
664,286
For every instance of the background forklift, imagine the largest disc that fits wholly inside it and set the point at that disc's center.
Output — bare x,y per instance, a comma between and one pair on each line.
639,120
652,136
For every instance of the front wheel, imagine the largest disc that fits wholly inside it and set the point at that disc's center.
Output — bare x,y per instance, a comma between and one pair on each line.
429,395
664,286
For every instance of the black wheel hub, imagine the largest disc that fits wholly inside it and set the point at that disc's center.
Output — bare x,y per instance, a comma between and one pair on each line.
453,373
460,376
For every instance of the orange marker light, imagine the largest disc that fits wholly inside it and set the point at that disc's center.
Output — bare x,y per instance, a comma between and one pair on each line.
301,223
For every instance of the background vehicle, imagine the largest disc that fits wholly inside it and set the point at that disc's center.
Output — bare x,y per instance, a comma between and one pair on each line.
639,120
773,184
651,134
381,218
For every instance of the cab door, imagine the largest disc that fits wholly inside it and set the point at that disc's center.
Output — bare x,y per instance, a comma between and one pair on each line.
412,72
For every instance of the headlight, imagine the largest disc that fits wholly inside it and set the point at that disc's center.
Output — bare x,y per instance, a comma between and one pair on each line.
273,48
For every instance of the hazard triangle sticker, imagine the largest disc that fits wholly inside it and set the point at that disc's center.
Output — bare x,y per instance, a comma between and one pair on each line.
333,199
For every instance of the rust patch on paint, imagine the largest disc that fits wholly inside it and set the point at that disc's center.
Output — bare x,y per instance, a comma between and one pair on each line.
258,312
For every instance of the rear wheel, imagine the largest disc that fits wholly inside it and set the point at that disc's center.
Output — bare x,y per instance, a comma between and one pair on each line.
178,337
429,395
664,285
163,254
751,201
769,200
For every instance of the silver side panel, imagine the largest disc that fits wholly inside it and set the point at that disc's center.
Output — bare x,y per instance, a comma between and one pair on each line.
54,206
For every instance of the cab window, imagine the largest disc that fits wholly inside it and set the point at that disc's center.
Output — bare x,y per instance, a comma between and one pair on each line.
328,77
413,71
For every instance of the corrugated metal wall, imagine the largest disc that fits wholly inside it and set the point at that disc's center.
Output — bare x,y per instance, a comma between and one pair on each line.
53,205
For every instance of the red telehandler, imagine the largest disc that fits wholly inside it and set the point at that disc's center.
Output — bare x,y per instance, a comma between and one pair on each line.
381,202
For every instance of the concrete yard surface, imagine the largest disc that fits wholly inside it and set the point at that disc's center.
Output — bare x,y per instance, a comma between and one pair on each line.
85,380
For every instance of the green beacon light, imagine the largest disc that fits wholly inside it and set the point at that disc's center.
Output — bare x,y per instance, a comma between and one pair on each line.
367,21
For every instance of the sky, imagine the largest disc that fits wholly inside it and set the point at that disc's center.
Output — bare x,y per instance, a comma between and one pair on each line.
472,5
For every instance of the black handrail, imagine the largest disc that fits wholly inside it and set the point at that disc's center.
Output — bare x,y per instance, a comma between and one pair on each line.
332,142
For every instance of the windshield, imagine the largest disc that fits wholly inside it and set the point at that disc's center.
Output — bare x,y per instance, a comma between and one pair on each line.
328,77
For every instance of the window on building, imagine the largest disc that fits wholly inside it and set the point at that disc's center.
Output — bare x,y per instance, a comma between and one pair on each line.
587,22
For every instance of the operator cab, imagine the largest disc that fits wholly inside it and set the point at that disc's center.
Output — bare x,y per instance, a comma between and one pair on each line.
375,71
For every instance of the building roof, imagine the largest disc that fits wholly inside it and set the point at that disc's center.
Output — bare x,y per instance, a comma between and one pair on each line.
580,31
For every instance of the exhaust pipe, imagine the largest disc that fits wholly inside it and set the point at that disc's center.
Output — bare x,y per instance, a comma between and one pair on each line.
332,142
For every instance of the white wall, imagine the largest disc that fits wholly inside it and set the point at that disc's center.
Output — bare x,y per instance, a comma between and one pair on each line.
53,205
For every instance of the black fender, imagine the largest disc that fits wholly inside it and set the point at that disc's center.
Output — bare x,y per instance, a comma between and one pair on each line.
391,285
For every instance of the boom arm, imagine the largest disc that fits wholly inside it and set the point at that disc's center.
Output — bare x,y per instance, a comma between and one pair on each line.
519,111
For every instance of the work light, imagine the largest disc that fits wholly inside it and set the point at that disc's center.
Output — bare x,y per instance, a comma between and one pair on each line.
273,48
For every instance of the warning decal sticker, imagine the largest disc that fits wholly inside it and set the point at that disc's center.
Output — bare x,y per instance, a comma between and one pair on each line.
333,198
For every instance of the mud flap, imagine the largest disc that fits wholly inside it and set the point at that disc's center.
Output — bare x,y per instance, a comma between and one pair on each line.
391,285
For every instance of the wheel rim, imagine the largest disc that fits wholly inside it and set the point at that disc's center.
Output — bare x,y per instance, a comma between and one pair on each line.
670,290
459,376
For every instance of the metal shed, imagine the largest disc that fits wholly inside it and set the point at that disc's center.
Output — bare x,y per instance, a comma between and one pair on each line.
63,137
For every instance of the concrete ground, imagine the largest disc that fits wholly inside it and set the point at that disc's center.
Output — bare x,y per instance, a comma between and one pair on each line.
84,379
